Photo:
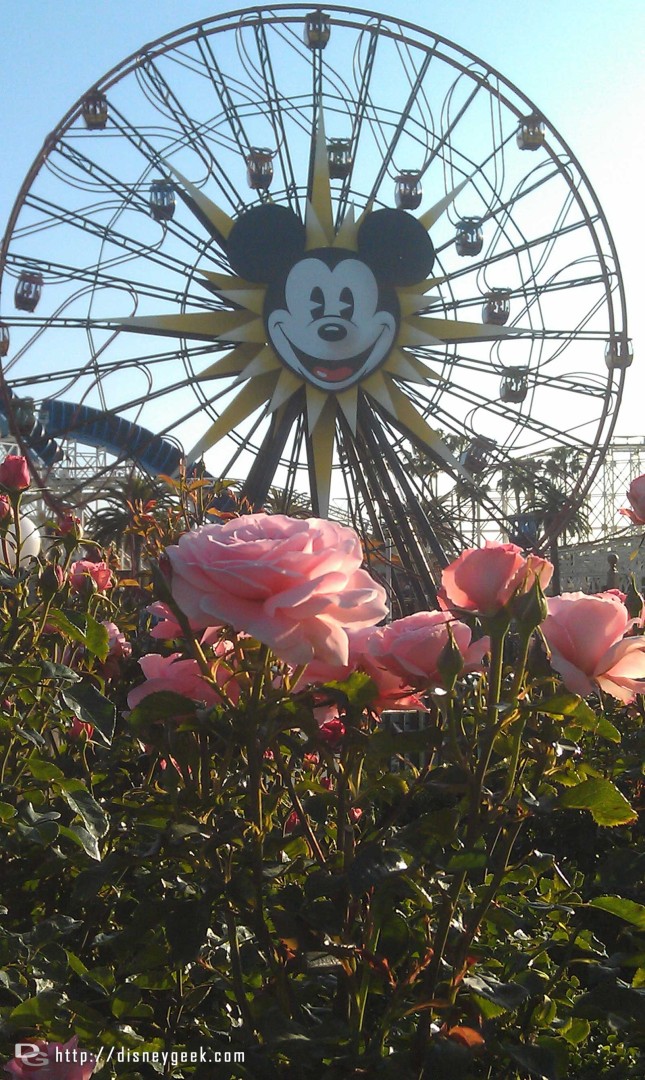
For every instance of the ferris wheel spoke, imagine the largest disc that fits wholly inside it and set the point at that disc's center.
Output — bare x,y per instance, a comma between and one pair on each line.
526,246
274,103
105,367
540,429
99,279
219,84
78,219
360,107
398,131
127,194
193,134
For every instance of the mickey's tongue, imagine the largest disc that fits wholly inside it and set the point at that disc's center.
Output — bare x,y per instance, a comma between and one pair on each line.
337,374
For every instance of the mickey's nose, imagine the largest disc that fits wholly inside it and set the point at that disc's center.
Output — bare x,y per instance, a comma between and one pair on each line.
331,331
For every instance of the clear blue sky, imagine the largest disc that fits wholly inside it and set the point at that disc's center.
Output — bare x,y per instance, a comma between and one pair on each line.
580,61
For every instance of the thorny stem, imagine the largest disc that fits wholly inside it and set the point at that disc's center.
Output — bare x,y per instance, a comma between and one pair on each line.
299,809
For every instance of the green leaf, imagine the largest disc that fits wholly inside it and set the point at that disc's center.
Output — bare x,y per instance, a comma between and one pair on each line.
576,1030
83,629
602,798
186,927
507,996
59,672
82,838
608,997
359,690
44,770
576,708
7,811
373,864
164,705
37,1009
628,910
538,1061
384,745
79,799
91,707
476,859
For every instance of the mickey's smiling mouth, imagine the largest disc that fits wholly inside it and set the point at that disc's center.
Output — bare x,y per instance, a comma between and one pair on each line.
332,371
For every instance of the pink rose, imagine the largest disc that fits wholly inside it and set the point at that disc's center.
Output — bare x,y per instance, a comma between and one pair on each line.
586,637
98,572
118,646
412,648
393,692
14,473
636,496
483,580
295,585
167,628
39,1060
182,677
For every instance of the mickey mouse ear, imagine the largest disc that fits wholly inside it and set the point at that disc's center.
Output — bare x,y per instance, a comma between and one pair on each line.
396,247
264,242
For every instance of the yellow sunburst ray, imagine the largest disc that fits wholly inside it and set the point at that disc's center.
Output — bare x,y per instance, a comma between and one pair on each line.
239,292
322,456
415,332
255,393
205,325
232,363
209,212
456,330
348,404
264,360
411,419
347,236
316,235
220,281
316,400
413,303
320,202
434,213
288,384
422,287
379,389
407,367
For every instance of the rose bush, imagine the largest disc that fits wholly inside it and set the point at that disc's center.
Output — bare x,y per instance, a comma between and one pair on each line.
298,874
295,585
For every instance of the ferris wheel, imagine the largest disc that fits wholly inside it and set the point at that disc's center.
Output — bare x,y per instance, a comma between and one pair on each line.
322,251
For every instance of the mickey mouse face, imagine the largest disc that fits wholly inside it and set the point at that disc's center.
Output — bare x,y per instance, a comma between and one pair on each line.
331,323
331,315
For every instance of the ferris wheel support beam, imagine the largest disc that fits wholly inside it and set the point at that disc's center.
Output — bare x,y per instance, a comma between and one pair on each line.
404,539
263,470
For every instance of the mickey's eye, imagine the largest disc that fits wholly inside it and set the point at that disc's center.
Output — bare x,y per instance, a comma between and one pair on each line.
346,304
317,301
